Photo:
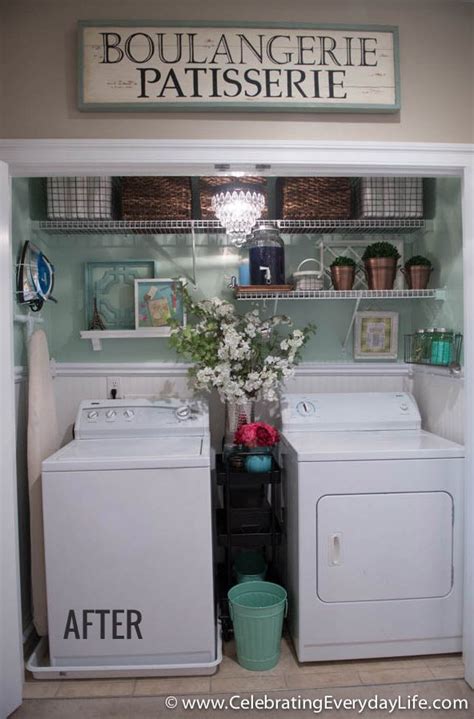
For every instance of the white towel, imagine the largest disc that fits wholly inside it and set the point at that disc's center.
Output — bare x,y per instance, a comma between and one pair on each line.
43,440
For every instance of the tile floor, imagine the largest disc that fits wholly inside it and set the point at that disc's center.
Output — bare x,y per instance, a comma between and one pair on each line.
428,676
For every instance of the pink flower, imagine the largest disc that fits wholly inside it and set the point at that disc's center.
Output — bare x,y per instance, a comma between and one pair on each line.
257,434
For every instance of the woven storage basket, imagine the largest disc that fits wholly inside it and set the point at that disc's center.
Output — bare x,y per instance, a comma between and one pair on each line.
314,198
209,186
395,197
79,198
156,198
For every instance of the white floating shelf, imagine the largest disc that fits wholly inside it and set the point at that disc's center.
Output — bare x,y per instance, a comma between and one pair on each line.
96,336
435,294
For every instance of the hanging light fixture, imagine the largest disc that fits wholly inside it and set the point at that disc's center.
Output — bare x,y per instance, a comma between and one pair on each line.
238,208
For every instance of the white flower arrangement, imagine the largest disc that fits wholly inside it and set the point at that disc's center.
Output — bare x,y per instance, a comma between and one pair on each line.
244,357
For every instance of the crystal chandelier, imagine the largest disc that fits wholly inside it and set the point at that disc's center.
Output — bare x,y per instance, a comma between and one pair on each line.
238,210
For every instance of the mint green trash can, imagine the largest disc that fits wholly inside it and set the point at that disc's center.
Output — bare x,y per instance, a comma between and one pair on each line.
257,610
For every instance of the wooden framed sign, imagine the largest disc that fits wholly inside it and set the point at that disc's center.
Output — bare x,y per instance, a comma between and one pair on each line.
166,66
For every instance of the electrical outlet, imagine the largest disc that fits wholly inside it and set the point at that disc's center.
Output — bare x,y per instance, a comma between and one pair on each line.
113,383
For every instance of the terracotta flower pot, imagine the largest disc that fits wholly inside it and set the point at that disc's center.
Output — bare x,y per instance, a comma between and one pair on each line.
417,276
381,272
342,277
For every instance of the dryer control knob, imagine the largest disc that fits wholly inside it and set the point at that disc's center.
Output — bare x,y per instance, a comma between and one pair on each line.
129,413
404,407
305,408
93,414
111,414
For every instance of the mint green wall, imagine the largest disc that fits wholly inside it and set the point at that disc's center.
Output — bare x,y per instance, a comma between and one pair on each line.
443,246
215,264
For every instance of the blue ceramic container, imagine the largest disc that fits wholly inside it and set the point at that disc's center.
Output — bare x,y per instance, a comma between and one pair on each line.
261,462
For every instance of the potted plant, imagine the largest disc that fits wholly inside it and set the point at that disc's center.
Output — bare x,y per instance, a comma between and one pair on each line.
380,260
417,271
343,273
259,438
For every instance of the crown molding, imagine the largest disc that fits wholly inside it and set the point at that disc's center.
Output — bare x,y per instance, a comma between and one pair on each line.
55,157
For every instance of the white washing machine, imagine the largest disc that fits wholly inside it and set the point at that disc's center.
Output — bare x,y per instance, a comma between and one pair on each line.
128,542
374,528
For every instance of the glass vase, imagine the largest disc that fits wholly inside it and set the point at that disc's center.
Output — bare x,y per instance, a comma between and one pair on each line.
237,414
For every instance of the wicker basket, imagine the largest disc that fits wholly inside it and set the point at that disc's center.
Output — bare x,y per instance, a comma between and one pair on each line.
208,186
156,198
314,198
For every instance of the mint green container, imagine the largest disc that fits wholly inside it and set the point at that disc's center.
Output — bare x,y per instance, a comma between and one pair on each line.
250,566
257,610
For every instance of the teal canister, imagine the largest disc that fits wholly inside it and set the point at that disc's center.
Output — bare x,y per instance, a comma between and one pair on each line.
442,346
446,346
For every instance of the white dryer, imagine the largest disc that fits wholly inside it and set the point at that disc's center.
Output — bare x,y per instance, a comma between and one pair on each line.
374,528
128,542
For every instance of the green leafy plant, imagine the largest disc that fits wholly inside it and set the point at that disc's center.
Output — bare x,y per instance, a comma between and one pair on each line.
242,356
380,249
342,261
418,260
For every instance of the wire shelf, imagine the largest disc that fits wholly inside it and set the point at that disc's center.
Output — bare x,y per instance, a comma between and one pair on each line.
156,227
436,294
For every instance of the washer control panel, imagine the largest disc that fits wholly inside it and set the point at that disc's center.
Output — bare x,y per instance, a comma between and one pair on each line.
350,411
140,418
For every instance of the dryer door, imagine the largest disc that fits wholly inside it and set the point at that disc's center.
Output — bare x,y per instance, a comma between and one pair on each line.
384,546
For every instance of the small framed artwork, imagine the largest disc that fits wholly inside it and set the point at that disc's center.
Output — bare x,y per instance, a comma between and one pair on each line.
376,335
157,301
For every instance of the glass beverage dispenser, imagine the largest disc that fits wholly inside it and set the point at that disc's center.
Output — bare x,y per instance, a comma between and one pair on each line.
267,256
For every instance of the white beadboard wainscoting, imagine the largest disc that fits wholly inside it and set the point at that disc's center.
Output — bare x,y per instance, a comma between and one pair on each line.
440,398
74,382
439,395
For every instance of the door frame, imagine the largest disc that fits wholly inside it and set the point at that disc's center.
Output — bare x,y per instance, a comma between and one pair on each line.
32,158
11,668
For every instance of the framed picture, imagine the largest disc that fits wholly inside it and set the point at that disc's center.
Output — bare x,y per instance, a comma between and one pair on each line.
376,335
109,291
157,301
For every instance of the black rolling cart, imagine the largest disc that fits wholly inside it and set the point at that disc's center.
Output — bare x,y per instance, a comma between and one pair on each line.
251,517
